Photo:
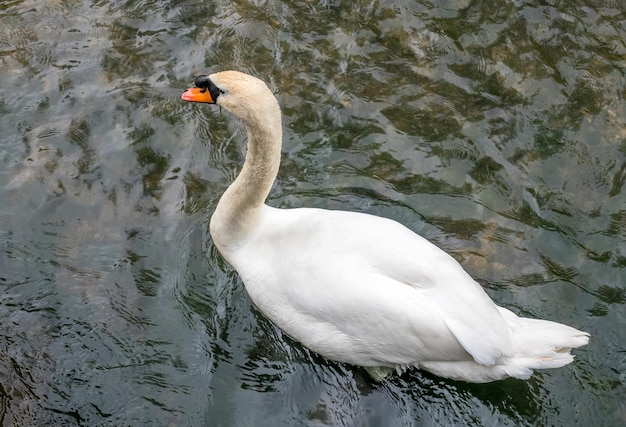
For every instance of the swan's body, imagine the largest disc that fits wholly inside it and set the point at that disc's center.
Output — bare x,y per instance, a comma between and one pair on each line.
358,288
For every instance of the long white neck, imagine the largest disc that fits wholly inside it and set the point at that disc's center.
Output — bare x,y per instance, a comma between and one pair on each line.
239,208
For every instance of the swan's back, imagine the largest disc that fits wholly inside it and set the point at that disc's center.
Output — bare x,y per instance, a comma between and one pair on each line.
351,284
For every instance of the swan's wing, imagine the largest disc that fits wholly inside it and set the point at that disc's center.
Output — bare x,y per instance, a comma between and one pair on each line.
330,267
451,292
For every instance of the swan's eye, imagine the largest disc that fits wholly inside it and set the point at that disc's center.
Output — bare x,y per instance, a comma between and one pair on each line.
205,83
202,82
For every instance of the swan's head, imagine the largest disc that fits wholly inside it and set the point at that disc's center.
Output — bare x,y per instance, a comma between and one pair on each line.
243,95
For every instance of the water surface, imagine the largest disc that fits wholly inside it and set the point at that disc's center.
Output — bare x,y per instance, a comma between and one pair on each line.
493,128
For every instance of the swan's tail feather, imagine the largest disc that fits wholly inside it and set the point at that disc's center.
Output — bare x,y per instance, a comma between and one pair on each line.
539,344
542,344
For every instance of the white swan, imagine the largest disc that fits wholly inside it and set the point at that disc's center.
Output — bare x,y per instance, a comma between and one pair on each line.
358,288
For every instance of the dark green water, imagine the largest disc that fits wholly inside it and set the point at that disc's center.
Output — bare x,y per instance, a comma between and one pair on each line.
497,129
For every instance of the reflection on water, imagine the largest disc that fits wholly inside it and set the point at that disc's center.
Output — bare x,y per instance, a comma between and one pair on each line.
494,128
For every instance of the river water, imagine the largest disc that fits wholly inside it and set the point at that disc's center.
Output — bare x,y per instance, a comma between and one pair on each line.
494,128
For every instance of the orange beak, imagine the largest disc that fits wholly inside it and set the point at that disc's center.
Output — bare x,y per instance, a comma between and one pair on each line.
195,94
